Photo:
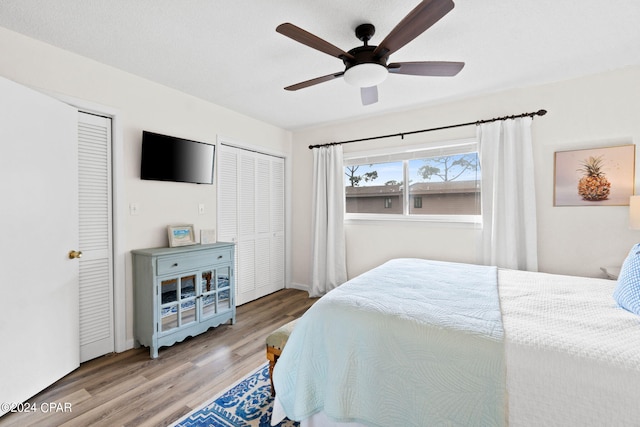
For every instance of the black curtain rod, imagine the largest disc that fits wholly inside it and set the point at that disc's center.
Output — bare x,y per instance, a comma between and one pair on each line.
479,122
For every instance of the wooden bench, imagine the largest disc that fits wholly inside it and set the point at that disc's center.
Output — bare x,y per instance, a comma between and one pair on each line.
275,344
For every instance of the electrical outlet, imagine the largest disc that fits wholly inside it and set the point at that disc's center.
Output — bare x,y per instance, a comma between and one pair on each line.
201,209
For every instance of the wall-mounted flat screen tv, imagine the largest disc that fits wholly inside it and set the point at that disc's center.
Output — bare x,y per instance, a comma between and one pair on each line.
167,158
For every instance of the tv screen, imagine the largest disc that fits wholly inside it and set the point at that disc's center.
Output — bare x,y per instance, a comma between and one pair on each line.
167,158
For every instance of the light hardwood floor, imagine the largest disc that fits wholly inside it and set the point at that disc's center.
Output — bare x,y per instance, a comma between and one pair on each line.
130,389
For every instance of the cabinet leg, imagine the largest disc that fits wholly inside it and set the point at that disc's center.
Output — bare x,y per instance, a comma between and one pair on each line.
154,352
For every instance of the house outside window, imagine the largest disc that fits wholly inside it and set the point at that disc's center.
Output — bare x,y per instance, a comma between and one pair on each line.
443,183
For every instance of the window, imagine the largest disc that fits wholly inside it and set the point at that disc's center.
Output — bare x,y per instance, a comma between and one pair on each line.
443,183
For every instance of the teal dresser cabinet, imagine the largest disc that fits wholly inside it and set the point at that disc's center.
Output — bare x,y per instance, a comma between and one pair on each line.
181,292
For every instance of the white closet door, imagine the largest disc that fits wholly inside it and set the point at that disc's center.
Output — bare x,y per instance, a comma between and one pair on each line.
39,214
227,191
246,240
251,213
96,264
262,236
227,187
277,208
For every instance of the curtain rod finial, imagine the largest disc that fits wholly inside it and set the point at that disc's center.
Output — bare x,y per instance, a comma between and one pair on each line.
541,112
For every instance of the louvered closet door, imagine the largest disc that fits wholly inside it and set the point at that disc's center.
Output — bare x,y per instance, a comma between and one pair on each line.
246,239
262,237
277,211
227,189
251,213
96,270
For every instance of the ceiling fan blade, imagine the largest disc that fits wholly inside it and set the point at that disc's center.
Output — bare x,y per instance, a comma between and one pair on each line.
315,81
426,68
315,42
369,95
415,23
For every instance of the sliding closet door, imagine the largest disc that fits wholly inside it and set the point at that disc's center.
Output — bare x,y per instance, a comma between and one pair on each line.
251,214
96,264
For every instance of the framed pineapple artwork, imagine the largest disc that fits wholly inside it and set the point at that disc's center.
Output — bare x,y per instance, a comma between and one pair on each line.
595,176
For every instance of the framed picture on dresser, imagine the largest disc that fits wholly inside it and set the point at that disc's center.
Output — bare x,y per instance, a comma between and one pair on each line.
181,235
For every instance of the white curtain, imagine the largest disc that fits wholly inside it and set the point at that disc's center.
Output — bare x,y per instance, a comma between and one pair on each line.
328,267
508,195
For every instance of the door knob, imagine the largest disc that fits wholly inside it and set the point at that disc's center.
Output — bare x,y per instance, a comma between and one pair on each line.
75,254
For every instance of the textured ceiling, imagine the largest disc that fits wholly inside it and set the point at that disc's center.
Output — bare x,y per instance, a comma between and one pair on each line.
229,53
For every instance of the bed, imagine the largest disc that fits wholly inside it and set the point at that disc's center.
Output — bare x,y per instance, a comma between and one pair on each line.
418,342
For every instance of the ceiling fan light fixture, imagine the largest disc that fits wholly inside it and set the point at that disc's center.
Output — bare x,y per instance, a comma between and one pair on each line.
366,75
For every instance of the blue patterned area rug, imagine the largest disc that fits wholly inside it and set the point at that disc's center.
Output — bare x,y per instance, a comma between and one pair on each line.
246,404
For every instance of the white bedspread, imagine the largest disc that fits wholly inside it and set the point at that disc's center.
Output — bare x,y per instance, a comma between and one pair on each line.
573,356
435,356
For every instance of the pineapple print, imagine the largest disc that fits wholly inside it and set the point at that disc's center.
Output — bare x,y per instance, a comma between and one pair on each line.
594,185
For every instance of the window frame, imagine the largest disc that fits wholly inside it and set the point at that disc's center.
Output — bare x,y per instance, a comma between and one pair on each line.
405,154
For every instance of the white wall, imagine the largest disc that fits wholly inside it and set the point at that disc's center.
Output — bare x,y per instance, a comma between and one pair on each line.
142,105
585,112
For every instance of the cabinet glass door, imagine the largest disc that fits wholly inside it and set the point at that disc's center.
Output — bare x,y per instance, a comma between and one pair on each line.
208,293
215,291
178,302
223,283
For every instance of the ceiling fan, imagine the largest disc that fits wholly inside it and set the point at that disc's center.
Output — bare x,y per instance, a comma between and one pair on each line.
366,66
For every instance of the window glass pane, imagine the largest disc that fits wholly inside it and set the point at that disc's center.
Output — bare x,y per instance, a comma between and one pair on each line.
445,185
374,188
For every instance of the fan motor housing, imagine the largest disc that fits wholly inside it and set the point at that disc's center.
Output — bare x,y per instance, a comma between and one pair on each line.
363,55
